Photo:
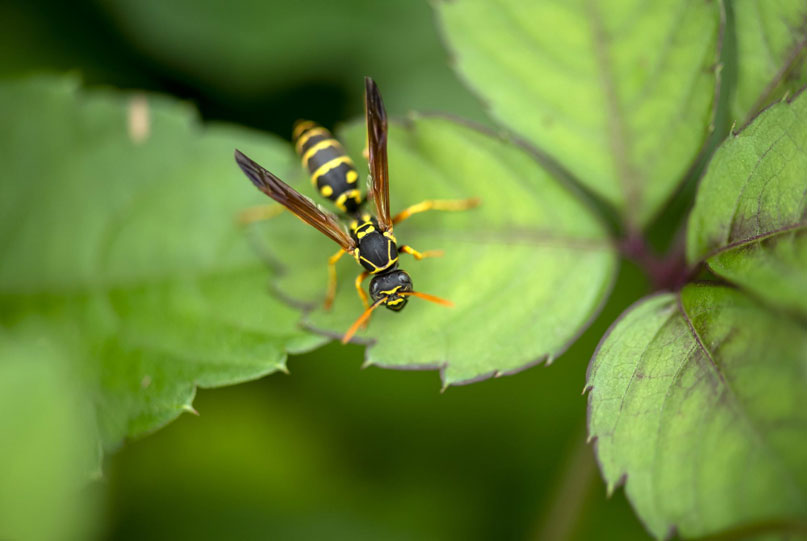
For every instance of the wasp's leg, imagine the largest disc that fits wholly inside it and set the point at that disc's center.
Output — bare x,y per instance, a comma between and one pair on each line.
332,278
436,204
362,295
419,255
258,213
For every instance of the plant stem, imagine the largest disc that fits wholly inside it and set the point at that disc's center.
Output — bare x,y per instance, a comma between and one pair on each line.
666,272
562,516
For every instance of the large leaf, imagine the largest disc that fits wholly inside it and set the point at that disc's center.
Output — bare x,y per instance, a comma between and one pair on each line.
47,448
698,405
127,249
771,37
527,269
749,223
621,93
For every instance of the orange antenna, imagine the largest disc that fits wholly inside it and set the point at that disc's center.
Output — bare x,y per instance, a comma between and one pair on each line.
427,297
362,318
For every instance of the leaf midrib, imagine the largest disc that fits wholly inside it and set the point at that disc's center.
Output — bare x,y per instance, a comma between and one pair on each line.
628,179
801,226
738,407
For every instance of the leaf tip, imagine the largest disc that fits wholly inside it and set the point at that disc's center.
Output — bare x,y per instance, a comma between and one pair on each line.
189,409
612,486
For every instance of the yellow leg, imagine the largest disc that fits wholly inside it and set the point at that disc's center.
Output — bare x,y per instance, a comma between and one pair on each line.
332,278
362,295
419,255
436,204
258,213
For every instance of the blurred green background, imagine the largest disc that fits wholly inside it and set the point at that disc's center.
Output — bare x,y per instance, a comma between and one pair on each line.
330,451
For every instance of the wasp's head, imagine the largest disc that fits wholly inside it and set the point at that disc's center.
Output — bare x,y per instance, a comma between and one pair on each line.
390,285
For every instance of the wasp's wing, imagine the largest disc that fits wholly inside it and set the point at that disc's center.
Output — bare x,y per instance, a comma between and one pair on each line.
297,203
377,147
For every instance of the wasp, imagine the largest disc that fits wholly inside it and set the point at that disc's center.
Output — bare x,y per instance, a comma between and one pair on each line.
370,239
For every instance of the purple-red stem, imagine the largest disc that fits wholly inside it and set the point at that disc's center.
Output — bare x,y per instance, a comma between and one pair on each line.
668,272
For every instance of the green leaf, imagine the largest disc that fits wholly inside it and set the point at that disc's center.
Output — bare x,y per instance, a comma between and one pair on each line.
250,47
749,223
527,270
47,448
771,37
620,93
128,250
697,404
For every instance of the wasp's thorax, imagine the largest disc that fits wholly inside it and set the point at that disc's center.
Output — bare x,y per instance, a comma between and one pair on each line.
390,285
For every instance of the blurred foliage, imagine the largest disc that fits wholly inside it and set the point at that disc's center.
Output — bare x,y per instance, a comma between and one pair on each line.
264,64
622,95
252,47
129,250
770,40
338,452
47,448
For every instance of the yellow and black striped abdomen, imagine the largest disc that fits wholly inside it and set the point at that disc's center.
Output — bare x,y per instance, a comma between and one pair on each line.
332,171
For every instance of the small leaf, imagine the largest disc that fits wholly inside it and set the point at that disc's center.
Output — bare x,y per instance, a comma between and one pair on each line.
123,243
526,270
697,404
749,223
771,41
620,93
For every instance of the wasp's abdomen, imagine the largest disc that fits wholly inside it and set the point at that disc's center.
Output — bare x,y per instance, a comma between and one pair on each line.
332,171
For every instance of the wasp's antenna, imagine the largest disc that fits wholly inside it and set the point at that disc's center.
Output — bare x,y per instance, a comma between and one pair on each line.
427,297
362,318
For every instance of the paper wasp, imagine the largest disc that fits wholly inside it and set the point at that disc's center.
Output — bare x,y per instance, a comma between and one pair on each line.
370,241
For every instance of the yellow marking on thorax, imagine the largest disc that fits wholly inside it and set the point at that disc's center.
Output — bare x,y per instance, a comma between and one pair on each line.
305,136
300,127
377,269
361,233
327,143
390,236
327,166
